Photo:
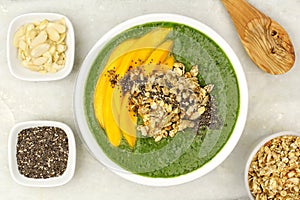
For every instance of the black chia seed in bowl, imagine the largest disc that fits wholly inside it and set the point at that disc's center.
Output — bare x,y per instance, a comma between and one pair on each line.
42,152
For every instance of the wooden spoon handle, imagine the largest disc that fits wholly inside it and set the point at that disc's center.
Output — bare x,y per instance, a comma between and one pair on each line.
241,13
266,42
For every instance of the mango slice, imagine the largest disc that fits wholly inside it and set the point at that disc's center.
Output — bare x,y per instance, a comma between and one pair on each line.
111,110
128,121
160,54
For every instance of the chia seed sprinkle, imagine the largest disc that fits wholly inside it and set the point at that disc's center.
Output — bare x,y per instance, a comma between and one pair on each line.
42,152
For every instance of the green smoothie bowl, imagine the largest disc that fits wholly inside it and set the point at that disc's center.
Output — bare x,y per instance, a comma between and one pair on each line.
161,100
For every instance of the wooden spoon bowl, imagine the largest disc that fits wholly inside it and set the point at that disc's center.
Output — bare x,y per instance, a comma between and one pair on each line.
266,42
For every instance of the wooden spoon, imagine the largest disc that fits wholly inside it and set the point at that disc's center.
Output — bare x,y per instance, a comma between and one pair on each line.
265,41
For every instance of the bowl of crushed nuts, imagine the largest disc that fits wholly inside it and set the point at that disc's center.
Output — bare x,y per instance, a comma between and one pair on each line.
161,100
40,46
272,170
41,153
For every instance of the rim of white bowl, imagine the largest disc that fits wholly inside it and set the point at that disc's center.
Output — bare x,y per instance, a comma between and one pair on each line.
14,64
91,143
260,142
49,182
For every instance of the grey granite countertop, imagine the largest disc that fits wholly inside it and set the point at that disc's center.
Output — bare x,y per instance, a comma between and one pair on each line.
274,101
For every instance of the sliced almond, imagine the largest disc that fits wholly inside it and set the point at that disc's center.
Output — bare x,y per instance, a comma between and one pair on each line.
52,70
62,38
20,32
29,27
27,57
37,23
52,49
22,45
21,55
56,66
53,34
32,34
61,62
60,28
39,60
55,56
61,48
49,57
16,41
18,35
39,50
61,21
39,39
43,24
27,63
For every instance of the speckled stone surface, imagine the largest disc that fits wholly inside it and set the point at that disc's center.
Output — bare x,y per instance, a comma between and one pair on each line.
274,101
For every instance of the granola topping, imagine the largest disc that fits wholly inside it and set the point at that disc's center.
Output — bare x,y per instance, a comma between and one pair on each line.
168,101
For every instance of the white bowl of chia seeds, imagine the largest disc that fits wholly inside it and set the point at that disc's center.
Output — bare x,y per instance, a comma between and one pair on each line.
41,153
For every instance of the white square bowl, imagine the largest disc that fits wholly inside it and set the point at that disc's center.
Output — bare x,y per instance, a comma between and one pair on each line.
14,64
32,182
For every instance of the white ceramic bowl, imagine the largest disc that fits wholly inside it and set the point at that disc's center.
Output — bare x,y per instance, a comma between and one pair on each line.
90,141
256,148
14,64
49,182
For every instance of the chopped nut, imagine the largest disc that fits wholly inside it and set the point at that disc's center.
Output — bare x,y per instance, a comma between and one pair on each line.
283,193
179,69
294,181
194,71
188,75
201,110
209,88
143,130
158,138
172,133
164,133
273,173
291,174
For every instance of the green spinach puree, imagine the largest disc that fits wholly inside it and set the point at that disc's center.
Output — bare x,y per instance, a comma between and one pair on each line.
188,150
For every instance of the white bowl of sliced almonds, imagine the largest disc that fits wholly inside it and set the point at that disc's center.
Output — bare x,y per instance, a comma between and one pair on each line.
273,167
40,46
